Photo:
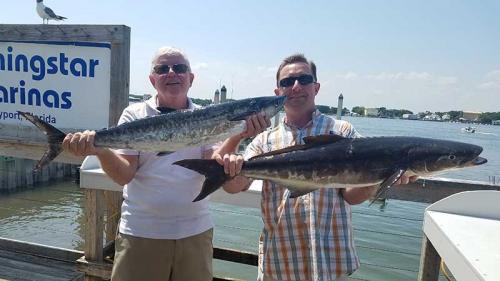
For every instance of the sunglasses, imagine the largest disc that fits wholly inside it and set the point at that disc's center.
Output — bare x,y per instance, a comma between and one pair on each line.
164,69
305,79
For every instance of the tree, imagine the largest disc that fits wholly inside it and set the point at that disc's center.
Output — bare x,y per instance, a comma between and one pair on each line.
382,112
359,110
327,109
455,115
487,117
202,102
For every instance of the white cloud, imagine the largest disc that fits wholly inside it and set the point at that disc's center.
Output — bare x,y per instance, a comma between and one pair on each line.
385,76
200,65
267,71
489,86
413,90
493,75
272,69
447,80
263,68
492,81
348,76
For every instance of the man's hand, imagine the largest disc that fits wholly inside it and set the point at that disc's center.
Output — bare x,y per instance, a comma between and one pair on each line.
81,143
255,125
232,166
405,179
232,163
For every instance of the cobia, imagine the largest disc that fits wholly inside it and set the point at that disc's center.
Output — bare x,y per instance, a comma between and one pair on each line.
330,161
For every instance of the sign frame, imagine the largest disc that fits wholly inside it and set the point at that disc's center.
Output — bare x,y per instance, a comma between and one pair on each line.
28,141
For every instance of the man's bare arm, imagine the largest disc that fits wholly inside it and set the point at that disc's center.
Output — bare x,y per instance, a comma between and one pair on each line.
120,168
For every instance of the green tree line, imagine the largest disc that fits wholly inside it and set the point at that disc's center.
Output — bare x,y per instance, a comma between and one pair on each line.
329,110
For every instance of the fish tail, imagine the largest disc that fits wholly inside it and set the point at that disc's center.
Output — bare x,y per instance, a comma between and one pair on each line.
54,138
214,174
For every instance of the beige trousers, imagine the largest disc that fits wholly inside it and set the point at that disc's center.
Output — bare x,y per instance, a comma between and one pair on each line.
139,259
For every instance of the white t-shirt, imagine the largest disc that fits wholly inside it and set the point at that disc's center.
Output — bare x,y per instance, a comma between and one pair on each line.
158,201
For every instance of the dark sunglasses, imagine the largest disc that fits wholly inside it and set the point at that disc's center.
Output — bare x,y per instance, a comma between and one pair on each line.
164,69
305,79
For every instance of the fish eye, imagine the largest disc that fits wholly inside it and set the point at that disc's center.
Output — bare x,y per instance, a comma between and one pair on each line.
452,157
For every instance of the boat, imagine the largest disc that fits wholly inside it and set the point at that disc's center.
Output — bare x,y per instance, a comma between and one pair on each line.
469,129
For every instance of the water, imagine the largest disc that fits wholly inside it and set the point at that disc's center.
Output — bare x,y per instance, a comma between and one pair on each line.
388,242
50,215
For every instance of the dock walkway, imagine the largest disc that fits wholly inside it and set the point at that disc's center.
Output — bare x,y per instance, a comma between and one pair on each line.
22,261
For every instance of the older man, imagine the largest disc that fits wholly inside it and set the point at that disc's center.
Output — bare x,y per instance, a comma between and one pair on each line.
163,235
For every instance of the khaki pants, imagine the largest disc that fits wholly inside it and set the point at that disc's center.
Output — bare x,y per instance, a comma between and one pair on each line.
140,259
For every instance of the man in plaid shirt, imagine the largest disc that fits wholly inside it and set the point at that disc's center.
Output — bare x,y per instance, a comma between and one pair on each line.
309,237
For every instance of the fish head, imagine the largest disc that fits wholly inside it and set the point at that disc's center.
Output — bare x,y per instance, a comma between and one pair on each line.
441,155
270,105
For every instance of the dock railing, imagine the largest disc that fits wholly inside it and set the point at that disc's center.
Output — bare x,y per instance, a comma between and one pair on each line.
103,200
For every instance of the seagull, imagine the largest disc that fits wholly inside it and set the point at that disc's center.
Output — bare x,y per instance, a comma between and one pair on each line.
46,13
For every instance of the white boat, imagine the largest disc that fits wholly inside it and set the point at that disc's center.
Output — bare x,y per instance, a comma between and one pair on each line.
469,129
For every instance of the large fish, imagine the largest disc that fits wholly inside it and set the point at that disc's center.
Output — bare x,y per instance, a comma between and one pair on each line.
169,132
330,161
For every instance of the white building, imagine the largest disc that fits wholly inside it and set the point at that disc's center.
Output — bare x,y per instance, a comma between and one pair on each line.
471,115
371,111
410,116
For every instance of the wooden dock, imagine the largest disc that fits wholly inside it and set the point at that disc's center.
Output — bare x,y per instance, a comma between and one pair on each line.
22,261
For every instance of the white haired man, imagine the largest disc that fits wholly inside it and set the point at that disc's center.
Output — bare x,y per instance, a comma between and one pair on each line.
163,235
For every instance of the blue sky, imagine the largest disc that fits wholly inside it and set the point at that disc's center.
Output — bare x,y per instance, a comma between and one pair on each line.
418,55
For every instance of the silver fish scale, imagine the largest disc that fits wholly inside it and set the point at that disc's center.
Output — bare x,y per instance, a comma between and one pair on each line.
167,134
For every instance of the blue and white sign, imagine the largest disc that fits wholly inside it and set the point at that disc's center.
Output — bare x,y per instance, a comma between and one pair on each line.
67,84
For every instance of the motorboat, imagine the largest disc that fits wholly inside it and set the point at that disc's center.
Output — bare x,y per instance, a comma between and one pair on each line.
469,129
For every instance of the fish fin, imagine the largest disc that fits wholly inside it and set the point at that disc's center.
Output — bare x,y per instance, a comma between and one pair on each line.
214,174
310,141
283,150
322,139
295,192
163,153
386,185
54,138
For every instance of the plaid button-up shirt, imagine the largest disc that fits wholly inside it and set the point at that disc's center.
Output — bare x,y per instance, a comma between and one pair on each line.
309,237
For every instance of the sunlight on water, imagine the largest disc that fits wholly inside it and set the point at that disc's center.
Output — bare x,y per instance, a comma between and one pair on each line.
49,215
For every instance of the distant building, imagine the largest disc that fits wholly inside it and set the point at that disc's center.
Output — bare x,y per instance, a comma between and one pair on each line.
339,106
446,117
132,98
217,97
371,111
223,92
410,116
495,122
471,115
432,117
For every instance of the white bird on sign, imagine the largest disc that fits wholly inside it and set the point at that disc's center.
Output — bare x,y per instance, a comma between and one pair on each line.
46,13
